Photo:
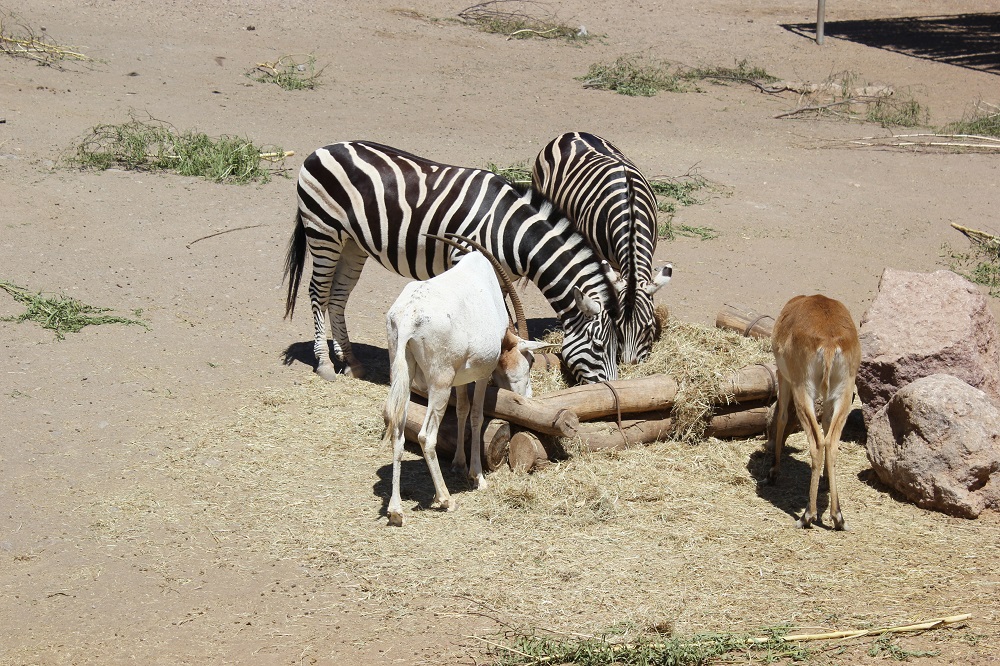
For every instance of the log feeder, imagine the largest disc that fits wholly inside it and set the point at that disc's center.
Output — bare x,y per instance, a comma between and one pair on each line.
615,414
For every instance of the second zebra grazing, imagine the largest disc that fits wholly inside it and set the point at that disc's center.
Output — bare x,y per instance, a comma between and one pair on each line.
359,199
613,206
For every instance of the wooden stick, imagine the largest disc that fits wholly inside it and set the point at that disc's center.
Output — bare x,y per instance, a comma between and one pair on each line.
920,626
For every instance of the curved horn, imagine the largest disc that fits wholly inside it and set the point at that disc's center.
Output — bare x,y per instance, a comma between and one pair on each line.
519,320
448,241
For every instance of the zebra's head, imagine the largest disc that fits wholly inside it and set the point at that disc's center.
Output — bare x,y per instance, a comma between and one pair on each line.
638,326
590,341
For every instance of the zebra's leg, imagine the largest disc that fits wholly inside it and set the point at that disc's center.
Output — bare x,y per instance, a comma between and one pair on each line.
345,278
325,255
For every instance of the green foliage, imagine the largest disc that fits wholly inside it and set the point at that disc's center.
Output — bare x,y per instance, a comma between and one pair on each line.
635,76
897,111
884,646
61,313
152,145
518,172
984,120
625,647
744,72
981,264
290,72
672,193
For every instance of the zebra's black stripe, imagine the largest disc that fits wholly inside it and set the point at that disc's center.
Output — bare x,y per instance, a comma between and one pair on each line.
613,206
359,199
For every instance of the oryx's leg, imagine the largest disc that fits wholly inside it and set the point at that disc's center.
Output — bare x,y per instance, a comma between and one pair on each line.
476,470
345,277
396,433
458,462
437,403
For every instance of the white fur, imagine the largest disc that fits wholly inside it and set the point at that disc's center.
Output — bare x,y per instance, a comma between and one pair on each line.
443,332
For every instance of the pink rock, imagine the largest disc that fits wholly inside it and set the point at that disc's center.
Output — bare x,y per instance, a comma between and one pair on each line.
937,441
926,323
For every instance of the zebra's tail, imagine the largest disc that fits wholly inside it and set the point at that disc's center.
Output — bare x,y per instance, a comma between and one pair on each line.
295,261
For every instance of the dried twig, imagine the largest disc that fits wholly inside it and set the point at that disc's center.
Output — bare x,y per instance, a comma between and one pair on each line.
822,107
224,231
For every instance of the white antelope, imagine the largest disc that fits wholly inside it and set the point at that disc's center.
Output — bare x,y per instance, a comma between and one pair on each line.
816,347
452,330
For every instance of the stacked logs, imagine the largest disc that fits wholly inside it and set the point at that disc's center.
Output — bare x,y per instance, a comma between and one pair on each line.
615,414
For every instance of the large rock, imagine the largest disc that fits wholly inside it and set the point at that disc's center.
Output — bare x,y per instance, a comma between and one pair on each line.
921,324
937,441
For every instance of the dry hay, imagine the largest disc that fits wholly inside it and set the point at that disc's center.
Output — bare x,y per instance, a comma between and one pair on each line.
669,533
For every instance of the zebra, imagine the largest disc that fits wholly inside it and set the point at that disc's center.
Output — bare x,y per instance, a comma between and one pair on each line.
613,206
359,199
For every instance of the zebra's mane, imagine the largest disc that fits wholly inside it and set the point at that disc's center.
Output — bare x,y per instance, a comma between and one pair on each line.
563,227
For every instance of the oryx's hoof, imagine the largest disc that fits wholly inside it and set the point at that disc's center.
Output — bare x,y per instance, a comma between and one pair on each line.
355,370
396,519
327,371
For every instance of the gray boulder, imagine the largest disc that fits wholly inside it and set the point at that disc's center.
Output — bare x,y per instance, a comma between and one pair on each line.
937,441
921,324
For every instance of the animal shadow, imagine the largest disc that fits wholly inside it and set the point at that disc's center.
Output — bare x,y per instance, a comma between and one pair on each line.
790,492
375,359
415,484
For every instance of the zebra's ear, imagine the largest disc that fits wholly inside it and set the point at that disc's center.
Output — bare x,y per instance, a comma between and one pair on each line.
613,276
659,279
585,304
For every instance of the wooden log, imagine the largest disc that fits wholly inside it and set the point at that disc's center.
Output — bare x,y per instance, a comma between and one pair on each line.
595,401
527,412
526,452
748,322
547,361
731,422
749,384
496,435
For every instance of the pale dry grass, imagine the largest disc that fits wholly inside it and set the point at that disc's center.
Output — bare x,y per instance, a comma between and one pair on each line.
671,533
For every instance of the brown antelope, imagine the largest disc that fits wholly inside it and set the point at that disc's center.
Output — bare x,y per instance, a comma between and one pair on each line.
816,347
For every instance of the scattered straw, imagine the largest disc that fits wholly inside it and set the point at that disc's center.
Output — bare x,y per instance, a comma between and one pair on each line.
658,534
289,72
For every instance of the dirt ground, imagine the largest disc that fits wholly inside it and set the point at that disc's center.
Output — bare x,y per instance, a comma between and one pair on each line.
93,417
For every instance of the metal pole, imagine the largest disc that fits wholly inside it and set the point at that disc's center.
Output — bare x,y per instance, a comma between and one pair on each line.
820,19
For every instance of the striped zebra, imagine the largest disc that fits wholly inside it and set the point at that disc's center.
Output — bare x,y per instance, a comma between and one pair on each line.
359,199
613,206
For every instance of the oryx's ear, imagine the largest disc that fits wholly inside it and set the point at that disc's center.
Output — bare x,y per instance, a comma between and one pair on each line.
585,304
613,276
659,279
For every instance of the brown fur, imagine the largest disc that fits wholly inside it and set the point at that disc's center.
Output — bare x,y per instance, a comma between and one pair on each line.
816,346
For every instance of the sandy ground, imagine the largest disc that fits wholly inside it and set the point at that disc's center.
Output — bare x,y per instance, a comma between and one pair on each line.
84,420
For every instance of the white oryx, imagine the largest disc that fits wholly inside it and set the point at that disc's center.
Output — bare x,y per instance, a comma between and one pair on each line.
452,330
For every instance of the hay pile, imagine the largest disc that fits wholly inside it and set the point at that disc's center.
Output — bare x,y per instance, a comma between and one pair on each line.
662,534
